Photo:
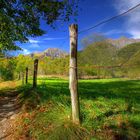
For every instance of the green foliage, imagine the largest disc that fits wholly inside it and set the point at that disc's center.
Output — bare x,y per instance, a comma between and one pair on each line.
11,67
98,54
101,59
128,58
126,53
23,62
7,67
21,18
98,60
56,66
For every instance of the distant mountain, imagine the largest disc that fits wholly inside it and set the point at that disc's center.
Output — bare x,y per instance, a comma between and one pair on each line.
122,41
55,52
51,52
129,54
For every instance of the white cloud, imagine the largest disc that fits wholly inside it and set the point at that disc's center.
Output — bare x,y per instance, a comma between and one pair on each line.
33,41
34,45
25,51
43,39
132,22
135,34
54,38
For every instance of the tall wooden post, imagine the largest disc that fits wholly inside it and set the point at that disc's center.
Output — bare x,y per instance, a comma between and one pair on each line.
22,78
26,75
19,76
35,73
73,80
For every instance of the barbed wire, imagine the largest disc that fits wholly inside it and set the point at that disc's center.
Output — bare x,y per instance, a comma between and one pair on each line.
102,22
106,21
110,19
107,67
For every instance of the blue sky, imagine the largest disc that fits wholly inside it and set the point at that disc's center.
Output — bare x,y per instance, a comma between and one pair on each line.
90,13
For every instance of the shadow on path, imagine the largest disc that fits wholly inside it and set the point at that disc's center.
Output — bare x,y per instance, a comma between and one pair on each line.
9,108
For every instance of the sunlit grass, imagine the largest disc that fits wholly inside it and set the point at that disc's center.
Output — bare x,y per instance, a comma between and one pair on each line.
9,85
110,109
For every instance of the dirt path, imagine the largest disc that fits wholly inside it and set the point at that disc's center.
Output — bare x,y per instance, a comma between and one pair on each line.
9,108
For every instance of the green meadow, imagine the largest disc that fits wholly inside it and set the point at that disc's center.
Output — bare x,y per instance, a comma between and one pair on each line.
110,109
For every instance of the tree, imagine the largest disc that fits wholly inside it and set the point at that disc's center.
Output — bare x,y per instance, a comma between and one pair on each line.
21,18
7,67
126,53
96,52
128,59
22,63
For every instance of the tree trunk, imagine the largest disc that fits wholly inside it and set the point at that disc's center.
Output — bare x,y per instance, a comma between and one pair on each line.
35,73
73,80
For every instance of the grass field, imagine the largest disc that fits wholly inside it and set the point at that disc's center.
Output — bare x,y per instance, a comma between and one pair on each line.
110,109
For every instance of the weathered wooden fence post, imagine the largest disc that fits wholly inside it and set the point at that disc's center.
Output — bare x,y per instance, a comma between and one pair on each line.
35,73
73,80
26,75
22,78
19,76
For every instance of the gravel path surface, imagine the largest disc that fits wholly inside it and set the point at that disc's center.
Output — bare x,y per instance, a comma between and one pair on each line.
9,109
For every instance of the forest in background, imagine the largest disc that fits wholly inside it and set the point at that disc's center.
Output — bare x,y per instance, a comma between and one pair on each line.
98,59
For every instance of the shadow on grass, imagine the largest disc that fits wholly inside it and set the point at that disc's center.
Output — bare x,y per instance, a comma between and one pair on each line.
105,98
108,107
126,90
